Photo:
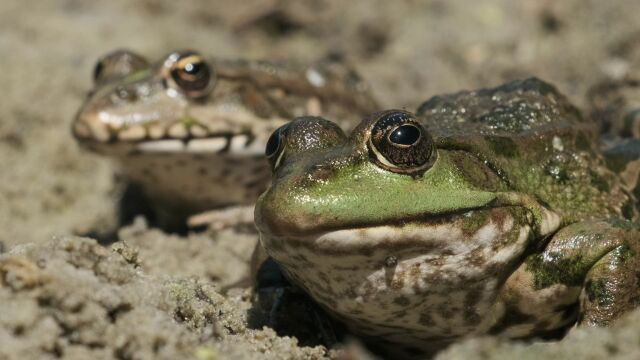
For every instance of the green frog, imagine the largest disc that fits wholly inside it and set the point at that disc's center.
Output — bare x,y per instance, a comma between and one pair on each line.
484,212
191,131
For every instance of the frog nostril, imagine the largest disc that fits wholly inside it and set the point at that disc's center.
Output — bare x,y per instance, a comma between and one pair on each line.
315,167
126,94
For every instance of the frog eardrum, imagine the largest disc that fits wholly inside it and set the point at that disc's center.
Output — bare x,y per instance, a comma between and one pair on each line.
191,73
400,144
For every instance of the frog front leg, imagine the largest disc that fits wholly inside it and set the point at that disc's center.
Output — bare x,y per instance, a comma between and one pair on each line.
612,285
591,267
220,219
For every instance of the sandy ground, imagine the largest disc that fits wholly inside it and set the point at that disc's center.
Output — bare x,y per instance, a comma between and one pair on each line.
154,295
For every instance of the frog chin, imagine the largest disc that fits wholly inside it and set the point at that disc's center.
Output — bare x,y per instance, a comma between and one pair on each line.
369,276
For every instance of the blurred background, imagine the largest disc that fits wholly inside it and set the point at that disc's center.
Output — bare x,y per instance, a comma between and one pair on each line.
406,50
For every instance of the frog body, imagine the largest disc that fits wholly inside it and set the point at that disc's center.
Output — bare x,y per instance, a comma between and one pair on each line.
486,212
191,130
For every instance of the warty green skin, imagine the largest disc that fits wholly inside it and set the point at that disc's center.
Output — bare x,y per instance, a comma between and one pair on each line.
517,227
191,154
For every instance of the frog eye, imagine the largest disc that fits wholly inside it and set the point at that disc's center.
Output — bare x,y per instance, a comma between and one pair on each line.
400,144
193,75
117,64
275,146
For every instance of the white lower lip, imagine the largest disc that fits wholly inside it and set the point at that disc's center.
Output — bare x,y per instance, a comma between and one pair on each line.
206,145
161,146
210,145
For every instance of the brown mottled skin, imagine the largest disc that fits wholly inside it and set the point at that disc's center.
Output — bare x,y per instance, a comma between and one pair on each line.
486,212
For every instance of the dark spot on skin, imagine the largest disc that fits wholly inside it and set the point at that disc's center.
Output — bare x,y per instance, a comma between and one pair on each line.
368,288
476,258
471,317
445,311
426,320
512,316
598,292
553,268
324,277
321,172
505,146
599,182
390,261
402,301
471,299
366,251
399,314
202,171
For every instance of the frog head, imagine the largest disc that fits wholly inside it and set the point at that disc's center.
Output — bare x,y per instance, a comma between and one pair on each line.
387,172
138,106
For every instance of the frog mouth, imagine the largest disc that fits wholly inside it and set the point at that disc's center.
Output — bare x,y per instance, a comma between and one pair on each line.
177,137
448,234
239,144
242,144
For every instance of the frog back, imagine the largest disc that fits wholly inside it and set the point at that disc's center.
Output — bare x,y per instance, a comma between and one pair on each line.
536,142
326,87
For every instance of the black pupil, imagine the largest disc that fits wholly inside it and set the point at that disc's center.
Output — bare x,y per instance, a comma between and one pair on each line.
192,68
405,135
